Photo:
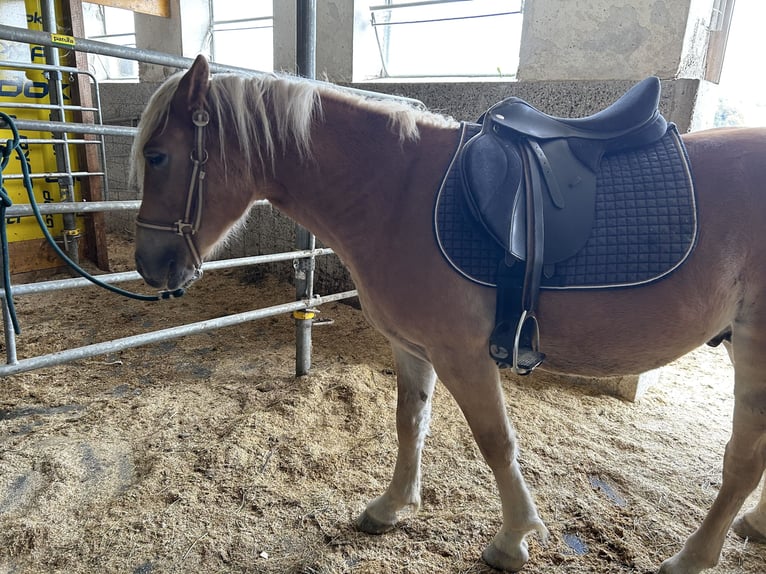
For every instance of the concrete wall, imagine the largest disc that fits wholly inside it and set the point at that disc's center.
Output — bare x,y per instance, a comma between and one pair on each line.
565,98
613,39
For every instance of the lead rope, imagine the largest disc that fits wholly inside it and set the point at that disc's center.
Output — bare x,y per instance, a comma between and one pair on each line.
5,202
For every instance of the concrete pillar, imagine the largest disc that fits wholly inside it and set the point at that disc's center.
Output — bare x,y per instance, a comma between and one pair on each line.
335,37
185,33
614,39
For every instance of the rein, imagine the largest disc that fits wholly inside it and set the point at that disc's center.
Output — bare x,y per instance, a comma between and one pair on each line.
192,219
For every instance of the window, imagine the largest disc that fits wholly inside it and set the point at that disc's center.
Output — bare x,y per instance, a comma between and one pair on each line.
741,89
447,38
113,26
243,33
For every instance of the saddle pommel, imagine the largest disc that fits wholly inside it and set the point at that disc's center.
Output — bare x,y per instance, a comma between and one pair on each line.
627,120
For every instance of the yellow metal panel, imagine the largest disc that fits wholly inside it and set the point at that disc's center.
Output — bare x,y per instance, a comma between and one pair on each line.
17,86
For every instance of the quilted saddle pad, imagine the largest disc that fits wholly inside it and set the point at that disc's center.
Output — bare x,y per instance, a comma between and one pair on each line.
645,223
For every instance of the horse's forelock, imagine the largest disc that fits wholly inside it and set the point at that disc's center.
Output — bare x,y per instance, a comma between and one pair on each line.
153,117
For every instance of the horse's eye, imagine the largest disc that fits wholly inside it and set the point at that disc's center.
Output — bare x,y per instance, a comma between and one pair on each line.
155,158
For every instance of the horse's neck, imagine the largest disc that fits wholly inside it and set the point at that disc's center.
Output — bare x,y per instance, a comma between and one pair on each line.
361,180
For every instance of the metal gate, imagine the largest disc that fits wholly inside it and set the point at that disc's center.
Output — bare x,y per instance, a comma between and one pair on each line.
62,133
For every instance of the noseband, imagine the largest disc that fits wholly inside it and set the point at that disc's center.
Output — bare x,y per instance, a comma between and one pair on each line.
190,224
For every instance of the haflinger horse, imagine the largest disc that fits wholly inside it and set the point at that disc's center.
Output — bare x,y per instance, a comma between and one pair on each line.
363,175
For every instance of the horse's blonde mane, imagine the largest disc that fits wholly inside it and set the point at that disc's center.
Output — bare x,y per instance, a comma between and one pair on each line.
267,112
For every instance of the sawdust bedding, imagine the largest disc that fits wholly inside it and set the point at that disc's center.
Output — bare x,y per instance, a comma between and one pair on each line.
205,454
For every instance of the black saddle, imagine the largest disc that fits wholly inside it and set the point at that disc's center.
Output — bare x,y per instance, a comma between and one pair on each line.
530,179
621,122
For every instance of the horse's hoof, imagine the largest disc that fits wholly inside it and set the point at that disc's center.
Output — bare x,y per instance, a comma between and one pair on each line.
370,525
678,565
501,560
744,529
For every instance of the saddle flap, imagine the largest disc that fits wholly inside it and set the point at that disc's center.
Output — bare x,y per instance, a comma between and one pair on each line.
567,227
494,178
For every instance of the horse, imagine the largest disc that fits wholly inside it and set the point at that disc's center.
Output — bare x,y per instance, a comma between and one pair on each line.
362,174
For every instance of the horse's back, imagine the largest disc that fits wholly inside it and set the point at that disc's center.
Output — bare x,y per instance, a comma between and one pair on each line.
730,158
618,331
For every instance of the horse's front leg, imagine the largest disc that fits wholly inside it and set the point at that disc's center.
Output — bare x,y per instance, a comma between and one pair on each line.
415,386
744,460
474,382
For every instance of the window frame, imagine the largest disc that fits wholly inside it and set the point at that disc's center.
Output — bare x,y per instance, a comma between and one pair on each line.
382,31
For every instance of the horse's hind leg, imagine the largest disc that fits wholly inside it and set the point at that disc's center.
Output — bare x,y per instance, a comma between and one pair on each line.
744,459
752,524
415,385
476,387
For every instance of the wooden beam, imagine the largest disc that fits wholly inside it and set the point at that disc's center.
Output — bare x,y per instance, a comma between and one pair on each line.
95,248
153,7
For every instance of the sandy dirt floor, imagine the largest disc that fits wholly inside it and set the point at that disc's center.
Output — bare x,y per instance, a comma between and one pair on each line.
205,454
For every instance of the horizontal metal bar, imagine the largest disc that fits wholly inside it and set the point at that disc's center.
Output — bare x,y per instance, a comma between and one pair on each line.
242,20
25,209
50,141
379,7
446,19
105,49
9,64
73,128
74,282
55,174
68,355
217,29
27,106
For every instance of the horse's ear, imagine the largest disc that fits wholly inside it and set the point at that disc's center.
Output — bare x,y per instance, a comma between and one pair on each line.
194,84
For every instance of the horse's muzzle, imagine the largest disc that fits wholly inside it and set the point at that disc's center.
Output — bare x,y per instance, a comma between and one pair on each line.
163,260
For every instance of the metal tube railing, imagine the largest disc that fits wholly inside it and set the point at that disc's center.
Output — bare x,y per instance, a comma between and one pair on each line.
72,128
86,351
124,276
15,365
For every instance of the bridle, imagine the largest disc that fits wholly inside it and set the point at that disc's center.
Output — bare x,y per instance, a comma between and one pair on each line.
188,226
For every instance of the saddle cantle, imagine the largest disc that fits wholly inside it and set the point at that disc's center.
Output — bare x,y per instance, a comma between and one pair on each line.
537,185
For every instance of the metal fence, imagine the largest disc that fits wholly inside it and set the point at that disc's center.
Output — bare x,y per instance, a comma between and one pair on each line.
303,257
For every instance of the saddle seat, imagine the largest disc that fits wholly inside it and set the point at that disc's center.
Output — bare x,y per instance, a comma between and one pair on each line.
622,120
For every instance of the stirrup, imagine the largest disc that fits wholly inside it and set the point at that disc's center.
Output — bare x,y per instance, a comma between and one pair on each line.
526,354
521,345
